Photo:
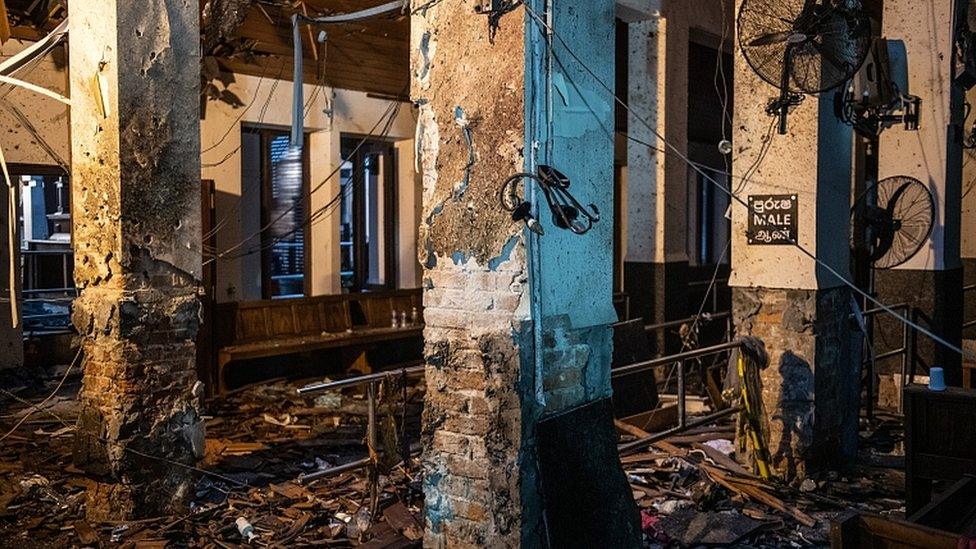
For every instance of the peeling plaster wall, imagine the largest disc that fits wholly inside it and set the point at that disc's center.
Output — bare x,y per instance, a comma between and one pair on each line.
349,113
475,274
49,117
352,112
781,295
813,162
569,118
517,325
931,281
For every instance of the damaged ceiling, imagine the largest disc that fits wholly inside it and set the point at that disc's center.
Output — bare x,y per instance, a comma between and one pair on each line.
254,37
371,56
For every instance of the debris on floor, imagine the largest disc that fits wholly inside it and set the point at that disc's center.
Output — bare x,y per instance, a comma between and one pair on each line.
692,492
259,442
262,440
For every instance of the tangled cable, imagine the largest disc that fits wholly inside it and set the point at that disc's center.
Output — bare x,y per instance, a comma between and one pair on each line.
567,212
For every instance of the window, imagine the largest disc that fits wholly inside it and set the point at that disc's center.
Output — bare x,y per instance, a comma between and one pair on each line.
367,222
284,203
46,258
709,120
708,233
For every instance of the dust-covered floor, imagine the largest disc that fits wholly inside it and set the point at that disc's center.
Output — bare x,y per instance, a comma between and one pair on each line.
261,440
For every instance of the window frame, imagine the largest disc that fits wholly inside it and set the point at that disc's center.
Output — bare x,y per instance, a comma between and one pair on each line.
267,134
387,149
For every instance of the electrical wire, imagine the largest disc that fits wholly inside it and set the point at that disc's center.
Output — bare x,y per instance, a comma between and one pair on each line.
389,116
245,190
317,214
841,278
257,91
264,112
324,211
67,371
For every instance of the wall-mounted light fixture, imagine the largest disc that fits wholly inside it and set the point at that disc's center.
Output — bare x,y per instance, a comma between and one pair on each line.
567,212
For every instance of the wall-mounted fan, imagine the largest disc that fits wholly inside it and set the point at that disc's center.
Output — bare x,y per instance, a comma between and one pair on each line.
803,46
891,221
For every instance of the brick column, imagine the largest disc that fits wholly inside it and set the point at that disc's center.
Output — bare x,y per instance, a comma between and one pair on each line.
135,76
518,326
780,295
931,281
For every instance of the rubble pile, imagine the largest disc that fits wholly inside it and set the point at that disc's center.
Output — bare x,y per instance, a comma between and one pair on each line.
262,442
692,492
249,489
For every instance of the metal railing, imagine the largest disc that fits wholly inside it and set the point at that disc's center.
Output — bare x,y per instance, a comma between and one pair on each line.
906,351
679,361
704,318
370,381
35,295
624,300
714,293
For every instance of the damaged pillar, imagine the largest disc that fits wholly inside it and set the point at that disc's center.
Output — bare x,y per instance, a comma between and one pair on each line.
135,173
656,257
931,281
518,326
810,390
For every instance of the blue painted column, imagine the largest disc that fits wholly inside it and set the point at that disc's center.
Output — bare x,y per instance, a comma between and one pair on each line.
518,326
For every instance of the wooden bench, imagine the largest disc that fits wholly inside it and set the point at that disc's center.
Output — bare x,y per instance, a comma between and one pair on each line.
261,329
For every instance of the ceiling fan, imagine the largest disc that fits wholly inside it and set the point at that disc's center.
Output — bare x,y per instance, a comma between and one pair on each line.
802,46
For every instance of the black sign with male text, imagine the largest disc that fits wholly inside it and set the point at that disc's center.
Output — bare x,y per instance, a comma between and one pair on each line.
772,219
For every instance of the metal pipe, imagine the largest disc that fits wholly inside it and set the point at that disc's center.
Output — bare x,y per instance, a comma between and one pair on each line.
698,283
868,347
360,380
707,317
371,415
682,413
631,447
306,478
913,351
49,291
891,354
371,440
664,361
879,310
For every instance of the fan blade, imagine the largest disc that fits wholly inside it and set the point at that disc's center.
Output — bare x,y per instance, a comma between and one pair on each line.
770,39
830,57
